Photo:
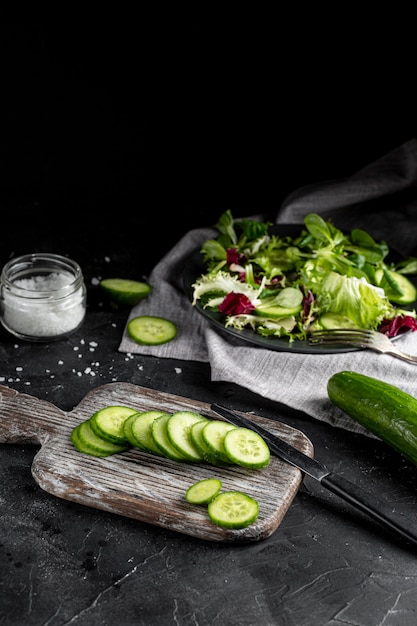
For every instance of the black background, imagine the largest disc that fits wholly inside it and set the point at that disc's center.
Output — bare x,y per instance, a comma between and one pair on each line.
157,129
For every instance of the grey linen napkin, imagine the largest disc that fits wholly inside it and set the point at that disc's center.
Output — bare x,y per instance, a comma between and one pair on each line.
381,198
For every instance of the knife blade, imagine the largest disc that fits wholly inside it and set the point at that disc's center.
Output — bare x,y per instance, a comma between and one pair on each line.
348,491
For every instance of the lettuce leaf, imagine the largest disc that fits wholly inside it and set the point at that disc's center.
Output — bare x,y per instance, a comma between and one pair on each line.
365,304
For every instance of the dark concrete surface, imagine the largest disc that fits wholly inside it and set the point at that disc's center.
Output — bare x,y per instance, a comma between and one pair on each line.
63,563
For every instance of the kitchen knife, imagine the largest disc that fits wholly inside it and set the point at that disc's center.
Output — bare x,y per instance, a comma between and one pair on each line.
350,492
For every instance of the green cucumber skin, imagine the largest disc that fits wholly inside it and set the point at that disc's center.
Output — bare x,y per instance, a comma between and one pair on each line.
380,407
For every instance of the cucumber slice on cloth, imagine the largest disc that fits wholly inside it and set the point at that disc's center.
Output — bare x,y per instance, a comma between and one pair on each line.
151,330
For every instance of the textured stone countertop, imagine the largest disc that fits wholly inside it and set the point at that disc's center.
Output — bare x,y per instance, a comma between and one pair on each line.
65,563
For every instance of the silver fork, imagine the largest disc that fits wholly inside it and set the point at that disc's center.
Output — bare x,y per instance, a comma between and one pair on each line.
361,338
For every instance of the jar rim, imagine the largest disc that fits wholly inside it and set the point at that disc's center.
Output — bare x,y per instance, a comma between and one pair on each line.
41,264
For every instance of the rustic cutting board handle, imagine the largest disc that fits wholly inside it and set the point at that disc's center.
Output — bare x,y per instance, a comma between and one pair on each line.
26,419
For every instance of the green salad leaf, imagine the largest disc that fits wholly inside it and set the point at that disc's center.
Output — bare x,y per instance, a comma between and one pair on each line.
285,286
362,303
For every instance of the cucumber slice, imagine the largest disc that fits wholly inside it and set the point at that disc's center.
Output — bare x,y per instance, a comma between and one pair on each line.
398,288
125,291
108,423
335,320
276,311
85,440
178,431
286,303
203,491
213,435
150,330
196,434
161,439
233,509
247,448
138,430
127,429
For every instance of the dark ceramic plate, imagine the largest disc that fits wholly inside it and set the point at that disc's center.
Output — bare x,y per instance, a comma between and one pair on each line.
193,269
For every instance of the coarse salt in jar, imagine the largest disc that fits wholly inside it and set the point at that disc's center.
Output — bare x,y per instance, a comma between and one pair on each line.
43,297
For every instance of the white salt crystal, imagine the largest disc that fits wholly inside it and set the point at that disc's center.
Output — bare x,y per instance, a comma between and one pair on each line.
37,314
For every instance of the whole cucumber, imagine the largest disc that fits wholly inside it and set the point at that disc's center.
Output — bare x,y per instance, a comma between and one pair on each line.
380,407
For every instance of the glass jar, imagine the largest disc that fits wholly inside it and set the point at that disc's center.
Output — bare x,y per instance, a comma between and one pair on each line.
43,297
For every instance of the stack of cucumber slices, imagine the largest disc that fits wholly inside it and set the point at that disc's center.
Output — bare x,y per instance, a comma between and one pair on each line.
182,436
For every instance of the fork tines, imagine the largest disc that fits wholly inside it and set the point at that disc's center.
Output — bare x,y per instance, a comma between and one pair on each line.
357,336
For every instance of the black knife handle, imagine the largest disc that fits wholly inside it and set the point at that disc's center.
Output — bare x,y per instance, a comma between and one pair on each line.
366,502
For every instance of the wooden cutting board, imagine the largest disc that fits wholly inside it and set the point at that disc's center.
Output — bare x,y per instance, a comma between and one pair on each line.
137,484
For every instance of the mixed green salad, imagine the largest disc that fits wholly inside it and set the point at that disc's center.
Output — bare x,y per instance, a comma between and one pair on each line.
282,286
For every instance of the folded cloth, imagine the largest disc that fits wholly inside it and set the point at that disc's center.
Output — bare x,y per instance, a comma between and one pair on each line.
382,199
